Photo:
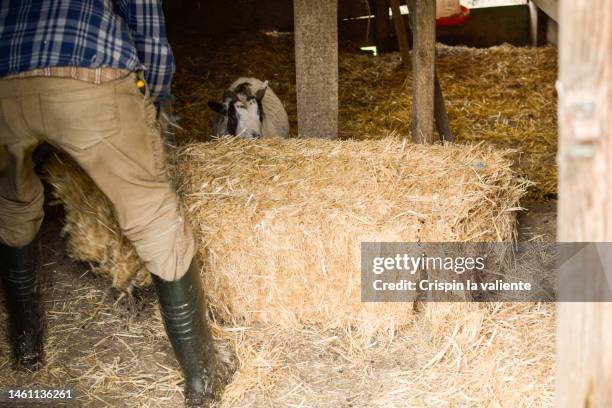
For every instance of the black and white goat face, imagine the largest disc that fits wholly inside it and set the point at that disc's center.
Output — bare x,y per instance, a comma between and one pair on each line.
243,111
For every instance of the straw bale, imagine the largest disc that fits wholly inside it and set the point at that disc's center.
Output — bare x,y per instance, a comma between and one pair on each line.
279,222
90,228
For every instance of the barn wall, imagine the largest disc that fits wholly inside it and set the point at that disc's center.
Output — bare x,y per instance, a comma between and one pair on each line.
550,7
489,26
486,27
549,19
218,18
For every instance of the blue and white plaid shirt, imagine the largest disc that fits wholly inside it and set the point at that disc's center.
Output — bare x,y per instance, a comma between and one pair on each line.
127,34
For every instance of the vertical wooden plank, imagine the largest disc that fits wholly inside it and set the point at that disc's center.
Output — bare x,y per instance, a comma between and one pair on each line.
537,24
423,23
584,330
382,25
533,23
440,114
316,62
400,31
552,32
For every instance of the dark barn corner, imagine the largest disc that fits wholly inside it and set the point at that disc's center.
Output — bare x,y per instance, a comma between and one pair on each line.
486,27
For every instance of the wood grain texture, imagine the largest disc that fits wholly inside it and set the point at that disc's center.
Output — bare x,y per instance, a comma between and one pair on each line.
584,330
316,62
423,23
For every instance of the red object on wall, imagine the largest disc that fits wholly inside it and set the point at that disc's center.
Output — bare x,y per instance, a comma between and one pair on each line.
454,20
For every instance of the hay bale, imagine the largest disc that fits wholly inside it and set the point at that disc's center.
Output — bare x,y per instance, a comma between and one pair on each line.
279,222
90,228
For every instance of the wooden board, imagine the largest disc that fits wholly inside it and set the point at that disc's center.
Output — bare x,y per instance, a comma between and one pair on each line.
400,31
584,330
382,26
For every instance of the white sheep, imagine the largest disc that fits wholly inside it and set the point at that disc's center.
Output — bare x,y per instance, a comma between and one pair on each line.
249,108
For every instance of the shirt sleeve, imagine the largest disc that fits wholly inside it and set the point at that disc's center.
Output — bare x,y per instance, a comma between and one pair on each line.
145,19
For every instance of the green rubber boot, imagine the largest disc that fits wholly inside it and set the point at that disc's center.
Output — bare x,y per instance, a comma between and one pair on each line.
183,311
21,281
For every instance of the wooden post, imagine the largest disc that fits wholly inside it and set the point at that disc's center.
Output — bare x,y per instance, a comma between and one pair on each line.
440,114
423,23
316,62
584,330
538,22
400,31
382,25
534,23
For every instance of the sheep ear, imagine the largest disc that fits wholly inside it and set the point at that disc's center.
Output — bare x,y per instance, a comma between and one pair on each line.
261,92
244,89
217,107
229,96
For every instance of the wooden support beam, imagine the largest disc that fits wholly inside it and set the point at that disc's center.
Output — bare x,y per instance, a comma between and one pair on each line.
440,114
423,23
550,7
382,25
316,62
584,330
400,31
538,21
534,22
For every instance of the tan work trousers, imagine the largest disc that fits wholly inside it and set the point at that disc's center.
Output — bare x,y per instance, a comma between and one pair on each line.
110,131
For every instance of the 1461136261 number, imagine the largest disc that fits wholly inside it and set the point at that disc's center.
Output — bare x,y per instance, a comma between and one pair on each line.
12,394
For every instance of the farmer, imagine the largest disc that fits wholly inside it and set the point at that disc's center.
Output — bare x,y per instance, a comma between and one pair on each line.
87,76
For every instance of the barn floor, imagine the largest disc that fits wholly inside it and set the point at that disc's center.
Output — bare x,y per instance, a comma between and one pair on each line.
114,352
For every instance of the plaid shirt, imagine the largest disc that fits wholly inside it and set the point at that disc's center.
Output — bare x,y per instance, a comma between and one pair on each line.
124,34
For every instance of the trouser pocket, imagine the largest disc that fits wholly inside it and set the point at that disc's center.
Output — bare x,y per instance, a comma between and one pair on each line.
80,121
